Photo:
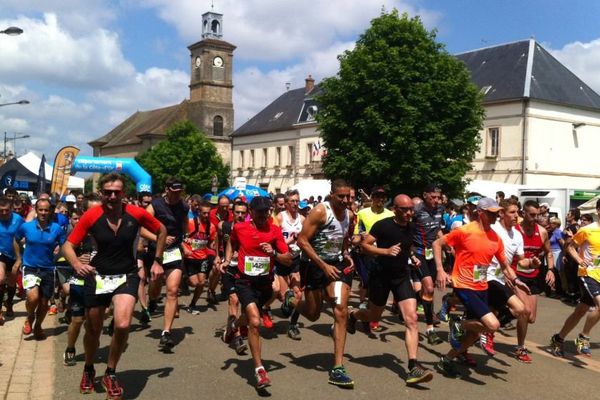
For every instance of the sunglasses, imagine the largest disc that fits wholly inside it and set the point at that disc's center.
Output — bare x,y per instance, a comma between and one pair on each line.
108,192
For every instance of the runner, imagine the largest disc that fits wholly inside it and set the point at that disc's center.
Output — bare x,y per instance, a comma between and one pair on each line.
10,258
391,274
111,276
587,257
475,244
199,249
42,237
326,270
172,212
427,223
291,222
536,243
144,264
260,244
229,273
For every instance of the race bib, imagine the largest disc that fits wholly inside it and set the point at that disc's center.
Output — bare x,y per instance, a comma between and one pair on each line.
429,254
109,283
525,270
198,244
172,255
256,266
334,246
480,273
30,281
74,280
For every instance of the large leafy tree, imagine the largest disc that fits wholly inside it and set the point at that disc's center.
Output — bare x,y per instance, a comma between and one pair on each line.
188,154
401,111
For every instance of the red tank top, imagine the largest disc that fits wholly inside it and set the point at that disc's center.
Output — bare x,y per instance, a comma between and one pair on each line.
533,246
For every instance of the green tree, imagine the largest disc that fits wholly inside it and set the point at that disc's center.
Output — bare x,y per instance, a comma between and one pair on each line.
401,111
188,154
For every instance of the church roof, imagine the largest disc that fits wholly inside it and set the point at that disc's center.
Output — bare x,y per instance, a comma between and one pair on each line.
152,122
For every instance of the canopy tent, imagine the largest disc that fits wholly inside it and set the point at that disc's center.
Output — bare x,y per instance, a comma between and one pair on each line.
313,187
15,174
489,188
32,163
589,207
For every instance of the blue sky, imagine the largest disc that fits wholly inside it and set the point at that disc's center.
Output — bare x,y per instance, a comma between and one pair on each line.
87,65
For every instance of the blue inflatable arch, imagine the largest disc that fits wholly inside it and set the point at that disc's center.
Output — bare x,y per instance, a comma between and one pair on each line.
104,165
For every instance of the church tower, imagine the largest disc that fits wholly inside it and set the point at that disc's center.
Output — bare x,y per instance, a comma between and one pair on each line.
211,84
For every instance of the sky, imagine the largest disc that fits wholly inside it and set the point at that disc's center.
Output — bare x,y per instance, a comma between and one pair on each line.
85,66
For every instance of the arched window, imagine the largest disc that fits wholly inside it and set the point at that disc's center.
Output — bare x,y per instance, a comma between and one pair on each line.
218,126
215,27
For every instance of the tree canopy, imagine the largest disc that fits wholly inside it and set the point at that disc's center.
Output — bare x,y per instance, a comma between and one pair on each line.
187,154
401,111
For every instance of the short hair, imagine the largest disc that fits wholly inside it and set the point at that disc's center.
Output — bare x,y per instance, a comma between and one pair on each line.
11,190
279,196
204,203
42,201
196,198
339,183
111,177
505,203
554,220
240,203
141,195
223,197
5,201
290,193
531,203
500,193
587,217
575,212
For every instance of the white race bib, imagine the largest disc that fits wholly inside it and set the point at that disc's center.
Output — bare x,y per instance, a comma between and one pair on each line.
256,266
74,280
429,254
198,244
172,255
30,281
109,283
480,273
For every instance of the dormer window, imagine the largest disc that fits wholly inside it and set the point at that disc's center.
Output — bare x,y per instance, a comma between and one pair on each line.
311,111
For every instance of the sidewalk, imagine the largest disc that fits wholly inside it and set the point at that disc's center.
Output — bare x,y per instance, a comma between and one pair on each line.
32,377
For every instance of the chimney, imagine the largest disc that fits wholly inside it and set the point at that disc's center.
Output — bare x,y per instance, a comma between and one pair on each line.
309,85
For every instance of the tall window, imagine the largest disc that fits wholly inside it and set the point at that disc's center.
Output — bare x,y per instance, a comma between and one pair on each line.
251,159
263,162
242,159
290,156
218,126
493,142
309,152
278,156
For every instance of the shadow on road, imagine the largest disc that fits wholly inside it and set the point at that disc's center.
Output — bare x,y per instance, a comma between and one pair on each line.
134,381
245,369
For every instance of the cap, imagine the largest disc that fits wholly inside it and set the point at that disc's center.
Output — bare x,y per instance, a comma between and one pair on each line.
303,204
433,187
213,200
487,204
70,198
474,200
378,190
260,203
175,185
545,205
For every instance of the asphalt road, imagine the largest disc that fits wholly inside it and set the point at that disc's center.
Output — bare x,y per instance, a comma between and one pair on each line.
202,366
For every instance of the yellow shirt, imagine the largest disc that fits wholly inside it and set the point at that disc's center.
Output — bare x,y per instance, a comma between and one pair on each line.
367,218
588,240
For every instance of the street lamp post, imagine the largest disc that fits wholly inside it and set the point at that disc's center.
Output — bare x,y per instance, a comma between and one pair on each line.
20,102
12,31
14,138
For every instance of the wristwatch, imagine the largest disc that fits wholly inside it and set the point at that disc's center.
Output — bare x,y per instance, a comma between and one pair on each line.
159,260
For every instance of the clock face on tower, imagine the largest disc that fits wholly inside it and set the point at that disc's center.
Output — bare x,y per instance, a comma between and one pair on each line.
218,62
198,62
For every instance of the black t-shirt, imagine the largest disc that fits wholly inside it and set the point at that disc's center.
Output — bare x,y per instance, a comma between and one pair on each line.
388,233
172,217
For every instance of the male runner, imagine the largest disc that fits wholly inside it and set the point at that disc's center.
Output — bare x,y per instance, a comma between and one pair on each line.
144,200
42,237
427,222
291,222
391,274
111,276
475,244
536,242
587,257
10,258
326,270
172,212
260,244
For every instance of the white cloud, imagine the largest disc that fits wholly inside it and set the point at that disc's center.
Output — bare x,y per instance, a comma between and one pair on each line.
583,59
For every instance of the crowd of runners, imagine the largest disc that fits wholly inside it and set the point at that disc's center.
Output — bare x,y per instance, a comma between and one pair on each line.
96,257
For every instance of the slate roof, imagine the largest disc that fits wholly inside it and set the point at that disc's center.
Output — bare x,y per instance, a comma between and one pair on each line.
152,122
525,69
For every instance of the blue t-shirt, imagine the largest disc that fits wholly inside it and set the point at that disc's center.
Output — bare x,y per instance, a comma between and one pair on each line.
40,243
8,229
62,220
556,236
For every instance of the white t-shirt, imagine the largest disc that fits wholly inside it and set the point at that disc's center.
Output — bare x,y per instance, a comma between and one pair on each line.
513,244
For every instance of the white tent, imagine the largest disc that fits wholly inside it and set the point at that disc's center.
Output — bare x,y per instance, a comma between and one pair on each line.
32,163
489,188
589,207
313,187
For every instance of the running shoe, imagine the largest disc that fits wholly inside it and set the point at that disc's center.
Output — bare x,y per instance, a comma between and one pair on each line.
443,314
192,310
582,345
211,297
418,374
447,368
433,338
294,332
375,327
110,329
456,332
53,310
145,317
286,304
466,359
10,313
262,379
486,342
339,377
267,318
69,357
114,391
556,346
166,341
240,346
27,328
87,381
522,355
152,306
351,324
229,332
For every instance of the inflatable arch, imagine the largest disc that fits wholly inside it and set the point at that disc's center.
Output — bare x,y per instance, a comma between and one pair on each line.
104,165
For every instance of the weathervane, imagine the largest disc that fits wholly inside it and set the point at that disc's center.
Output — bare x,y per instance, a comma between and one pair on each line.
212,5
